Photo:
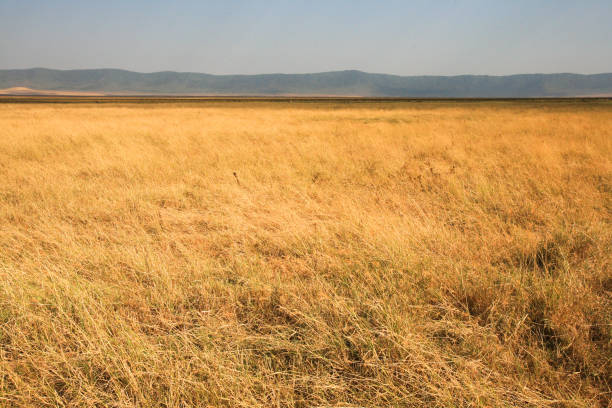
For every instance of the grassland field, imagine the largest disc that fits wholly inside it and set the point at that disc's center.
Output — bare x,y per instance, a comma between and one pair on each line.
259,254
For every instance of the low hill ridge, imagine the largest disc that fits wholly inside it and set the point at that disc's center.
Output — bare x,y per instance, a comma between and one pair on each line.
342,83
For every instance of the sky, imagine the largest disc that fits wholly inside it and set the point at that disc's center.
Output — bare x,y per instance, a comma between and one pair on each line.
441,37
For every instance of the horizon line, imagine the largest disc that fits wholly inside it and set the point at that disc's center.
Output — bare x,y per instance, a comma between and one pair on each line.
304,73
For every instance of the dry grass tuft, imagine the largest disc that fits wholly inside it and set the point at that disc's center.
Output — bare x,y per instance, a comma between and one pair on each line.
254,254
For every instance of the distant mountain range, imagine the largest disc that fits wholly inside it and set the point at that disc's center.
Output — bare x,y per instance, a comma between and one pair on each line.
338,83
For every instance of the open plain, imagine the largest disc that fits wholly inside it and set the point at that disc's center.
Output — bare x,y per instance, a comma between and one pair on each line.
306,254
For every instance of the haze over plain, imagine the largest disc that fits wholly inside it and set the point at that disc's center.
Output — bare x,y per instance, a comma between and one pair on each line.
254,37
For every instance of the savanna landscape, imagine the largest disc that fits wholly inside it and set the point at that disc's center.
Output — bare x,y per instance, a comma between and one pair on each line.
306,254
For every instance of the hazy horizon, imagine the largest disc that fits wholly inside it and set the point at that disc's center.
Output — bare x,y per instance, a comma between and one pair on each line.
391,37
303,73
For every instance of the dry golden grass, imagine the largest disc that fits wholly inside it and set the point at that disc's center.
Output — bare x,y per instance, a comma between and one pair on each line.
254,254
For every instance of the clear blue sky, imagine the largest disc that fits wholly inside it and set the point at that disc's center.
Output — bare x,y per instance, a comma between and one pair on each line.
438,37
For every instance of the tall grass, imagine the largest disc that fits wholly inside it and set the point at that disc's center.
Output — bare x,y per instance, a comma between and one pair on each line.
306,255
